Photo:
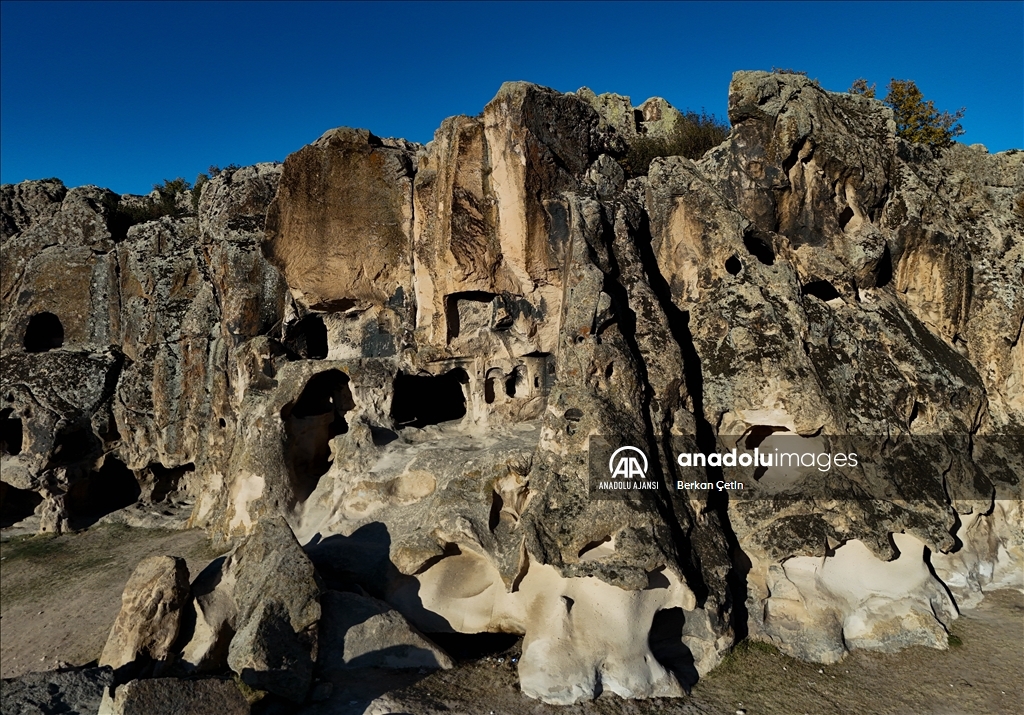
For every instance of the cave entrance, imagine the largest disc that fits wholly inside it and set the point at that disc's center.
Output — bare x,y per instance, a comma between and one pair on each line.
103,492
310,422
44,332
307,338
421,400
11,432
16,504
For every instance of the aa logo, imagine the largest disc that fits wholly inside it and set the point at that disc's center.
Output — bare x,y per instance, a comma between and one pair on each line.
627,466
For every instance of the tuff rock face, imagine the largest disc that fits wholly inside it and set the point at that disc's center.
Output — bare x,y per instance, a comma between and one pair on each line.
403,352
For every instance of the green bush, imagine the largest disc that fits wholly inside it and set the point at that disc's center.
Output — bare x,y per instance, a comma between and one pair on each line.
691,137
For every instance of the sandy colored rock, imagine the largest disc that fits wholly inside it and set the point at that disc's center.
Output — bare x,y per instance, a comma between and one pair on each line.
150,618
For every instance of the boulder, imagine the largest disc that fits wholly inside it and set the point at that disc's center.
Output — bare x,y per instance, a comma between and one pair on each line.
171,696
362,632
76,691
152,607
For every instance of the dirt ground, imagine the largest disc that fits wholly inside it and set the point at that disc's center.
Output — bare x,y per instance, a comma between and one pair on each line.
60,595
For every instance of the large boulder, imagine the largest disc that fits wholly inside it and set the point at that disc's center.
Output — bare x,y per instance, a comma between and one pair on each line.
147,627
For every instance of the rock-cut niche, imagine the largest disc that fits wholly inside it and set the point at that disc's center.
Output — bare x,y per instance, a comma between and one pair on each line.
421,400
44,332
310,422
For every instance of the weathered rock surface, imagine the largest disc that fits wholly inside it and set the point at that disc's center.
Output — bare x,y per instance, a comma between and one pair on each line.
172,696
70,692
148,624
402,354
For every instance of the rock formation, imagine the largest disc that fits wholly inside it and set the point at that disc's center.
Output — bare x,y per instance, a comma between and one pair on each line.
403,353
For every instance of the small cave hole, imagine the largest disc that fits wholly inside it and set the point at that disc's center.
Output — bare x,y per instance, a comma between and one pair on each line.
311,421
844,217
489,390
883,275
759,248
382,435
421,400
16,504
44,332
823,290
11,432
569,603
573,414
497,503
307,338
733,265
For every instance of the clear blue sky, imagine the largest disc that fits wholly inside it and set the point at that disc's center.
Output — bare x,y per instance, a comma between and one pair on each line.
126,94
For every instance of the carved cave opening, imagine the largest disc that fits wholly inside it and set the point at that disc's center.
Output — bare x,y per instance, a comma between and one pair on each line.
310,422
307,338
44,332
16,504
665,642
11,432
114,486
733,265
760,248
822,290
421,400
514,379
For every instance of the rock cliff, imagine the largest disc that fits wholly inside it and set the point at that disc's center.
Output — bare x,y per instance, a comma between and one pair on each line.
405,352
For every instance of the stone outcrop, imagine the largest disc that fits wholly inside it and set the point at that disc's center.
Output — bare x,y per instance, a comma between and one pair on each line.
405,355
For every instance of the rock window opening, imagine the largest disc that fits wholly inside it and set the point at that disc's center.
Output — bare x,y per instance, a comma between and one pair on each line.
307,338
820,289
310,422
10,432
733,265
44,332
421,400
489,390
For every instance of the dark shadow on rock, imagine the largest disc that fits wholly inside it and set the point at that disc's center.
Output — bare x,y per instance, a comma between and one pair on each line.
361,563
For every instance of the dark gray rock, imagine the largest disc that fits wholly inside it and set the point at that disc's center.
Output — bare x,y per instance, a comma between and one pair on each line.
69,692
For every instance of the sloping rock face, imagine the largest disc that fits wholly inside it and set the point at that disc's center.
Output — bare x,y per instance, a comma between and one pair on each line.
406,351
